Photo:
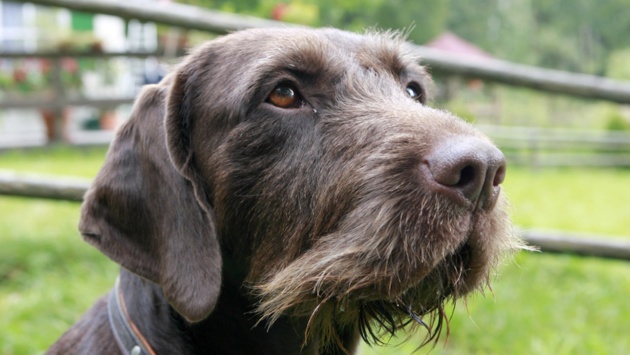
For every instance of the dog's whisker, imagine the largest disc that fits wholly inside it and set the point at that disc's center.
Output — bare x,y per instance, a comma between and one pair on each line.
309,323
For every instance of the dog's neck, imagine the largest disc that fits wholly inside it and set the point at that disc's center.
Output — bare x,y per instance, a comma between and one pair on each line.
231,328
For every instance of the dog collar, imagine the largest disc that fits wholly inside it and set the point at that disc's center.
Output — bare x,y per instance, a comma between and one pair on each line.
129,339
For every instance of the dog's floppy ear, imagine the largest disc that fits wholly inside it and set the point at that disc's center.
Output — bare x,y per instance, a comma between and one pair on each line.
145,215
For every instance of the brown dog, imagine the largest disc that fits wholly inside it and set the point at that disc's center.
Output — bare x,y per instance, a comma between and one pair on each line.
288,191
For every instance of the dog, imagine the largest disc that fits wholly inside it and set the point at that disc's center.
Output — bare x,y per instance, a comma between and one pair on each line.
289,191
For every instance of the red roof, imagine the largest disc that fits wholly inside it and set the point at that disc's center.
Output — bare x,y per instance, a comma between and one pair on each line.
450,42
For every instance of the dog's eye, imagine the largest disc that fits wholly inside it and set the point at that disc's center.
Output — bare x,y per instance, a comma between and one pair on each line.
285,96
414,92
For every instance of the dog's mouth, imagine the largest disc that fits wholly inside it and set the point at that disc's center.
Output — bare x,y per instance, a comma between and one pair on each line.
378,316
422,305
396,280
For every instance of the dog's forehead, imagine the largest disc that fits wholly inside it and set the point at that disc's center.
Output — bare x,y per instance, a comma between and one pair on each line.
318,50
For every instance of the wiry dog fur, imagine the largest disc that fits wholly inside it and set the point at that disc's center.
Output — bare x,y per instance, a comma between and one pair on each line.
248,227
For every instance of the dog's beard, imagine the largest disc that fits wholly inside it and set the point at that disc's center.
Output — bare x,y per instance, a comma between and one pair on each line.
388,272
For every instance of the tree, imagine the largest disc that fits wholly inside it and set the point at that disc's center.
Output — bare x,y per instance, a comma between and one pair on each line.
426,19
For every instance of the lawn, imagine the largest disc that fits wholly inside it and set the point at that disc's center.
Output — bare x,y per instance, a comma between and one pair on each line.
542,304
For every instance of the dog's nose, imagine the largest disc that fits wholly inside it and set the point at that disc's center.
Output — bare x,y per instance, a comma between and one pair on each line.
469,166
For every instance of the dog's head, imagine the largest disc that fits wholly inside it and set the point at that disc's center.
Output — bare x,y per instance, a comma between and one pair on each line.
310,159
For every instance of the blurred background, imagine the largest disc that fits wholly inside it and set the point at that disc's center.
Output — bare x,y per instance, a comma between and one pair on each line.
68,78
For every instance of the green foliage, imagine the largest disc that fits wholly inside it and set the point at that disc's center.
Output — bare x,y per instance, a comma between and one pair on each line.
553,49
616,122
427,19
618,64
300,12
460,110
576,35
241,6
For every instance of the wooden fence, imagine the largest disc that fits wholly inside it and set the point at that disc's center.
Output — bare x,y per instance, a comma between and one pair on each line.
586,86
178,15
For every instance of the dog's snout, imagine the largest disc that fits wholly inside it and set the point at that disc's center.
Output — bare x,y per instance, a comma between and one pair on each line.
467,166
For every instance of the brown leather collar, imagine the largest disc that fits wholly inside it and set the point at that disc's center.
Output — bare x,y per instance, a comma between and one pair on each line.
129,338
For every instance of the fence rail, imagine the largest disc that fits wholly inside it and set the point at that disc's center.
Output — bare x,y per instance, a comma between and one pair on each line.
178,15
70,189
586,245
12,184
539,147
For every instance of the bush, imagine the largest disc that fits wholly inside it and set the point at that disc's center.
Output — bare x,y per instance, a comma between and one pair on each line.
617,122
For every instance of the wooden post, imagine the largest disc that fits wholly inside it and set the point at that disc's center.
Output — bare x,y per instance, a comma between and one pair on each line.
57,112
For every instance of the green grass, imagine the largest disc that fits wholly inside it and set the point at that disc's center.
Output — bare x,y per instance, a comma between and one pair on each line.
48,276
60,160
552,304
590,201
540,304
543,304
